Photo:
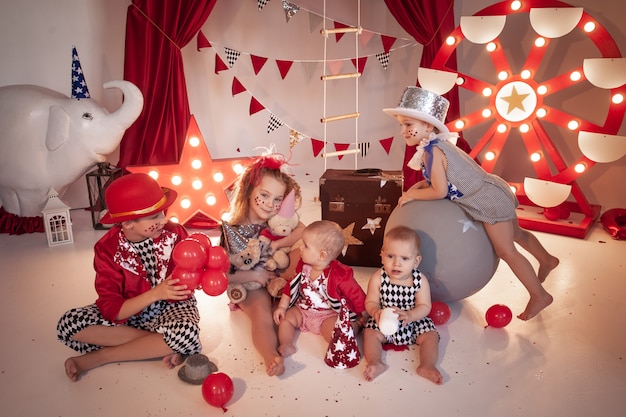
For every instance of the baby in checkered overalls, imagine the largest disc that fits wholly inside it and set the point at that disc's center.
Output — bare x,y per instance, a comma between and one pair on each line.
141,312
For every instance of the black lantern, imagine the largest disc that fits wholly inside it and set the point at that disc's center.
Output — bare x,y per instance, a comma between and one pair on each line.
97,182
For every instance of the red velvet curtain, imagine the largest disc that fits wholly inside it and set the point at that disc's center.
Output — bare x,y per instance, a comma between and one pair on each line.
155,33
429,22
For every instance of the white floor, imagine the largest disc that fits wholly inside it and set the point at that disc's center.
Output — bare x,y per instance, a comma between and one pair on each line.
568,361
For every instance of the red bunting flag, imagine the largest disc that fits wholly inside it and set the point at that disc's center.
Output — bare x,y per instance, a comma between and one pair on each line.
202,41
318,146
341,147
388,42
283,67
219,64
257,63
338,36
255,106
361,66
386,144
237,87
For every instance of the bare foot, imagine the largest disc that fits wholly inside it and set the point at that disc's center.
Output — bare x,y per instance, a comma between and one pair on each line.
535,305
546,268
173,360
72,368
430,373
373,370
287,350
276,367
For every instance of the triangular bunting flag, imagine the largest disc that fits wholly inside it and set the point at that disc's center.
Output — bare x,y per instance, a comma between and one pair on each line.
283,67
261,4
335,66
318,146
294,138
388,42
314,21
309,68
231,55
383,58
237,87
219,64
361,66
290,10
255,106
386,144
202,41
341,147
364,37
257,63
364,147
274,123
338,25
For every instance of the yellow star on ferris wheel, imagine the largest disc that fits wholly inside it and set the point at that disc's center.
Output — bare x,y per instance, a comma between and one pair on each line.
200,181
515,100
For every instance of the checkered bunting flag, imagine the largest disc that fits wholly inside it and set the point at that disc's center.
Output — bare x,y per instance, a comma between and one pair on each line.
231,56
383,58
79,85
274,123
364,147
261,3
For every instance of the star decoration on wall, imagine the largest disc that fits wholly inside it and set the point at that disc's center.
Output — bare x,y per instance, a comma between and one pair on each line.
372,224
200,181
349,238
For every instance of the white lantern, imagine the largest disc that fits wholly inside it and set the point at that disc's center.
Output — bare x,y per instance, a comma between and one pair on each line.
56,220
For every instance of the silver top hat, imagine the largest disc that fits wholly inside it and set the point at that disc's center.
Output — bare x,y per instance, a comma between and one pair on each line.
196,369
424,105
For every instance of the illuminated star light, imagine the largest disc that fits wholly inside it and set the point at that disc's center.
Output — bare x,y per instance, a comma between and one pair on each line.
372,224
200,176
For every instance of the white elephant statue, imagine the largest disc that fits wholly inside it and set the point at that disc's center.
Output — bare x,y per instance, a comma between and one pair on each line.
50,140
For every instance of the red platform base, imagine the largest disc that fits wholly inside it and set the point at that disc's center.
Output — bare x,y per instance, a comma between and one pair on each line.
577,224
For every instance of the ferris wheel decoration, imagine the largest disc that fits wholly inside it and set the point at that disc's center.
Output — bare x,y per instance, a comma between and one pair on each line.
516,105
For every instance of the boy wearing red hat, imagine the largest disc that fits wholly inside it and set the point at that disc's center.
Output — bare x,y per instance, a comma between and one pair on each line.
141,312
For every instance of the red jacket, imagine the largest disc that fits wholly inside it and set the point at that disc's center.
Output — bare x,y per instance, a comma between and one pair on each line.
120,274
340,284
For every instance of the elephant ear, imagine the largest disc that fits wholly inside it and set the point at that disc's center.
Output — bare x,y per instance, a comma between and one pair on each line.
58,127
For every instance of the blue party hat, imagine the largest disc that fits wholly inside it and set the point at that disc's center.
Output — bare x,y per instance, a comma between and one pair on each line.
79,85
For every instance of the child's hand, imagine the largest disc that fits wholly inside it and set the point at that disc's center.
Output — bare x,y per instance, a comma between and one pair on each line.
403,316
169,290
404,198
279,314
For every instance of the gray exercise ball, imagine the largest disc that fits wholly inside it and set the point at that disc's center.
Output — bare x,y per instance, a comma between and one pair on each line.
457,256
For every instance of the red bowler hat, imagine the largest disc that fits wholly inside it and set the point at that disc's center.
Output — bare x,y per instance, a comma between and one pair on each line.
134,196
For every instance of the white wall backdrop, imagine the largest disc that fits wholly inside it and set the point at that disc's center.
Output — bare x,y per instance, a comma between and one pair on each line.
36,39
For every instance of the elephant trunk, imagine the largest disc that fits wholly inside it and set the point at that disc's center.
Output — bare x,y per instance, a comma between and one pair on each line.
130,110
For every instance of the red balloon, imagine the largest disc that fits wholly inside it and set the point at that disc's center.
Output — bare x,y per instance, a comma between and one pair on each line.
439,313
214,282
203,239
189,254
191,278
564,211
218,259
218,389
498,315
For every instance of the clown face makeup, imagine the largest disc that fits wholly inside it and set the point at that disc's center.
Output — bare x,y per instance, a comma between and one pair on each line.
266,198
145,227
414,130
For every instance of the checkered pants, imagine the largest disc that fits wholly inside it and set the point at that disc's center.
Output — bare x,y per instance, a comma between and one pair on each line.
177,322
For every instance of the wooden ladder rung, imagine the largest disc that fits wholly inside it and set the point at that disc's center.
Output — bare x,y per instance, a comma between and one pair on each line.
340,153
341,30
340,117
340,76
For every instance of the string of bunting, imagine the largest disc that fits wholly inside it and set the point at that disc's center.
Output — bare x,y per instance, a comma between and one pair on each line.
258,62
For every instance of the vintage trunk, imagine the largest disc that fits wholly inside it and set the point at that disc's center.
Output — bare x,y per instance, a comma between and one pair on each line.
360,202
